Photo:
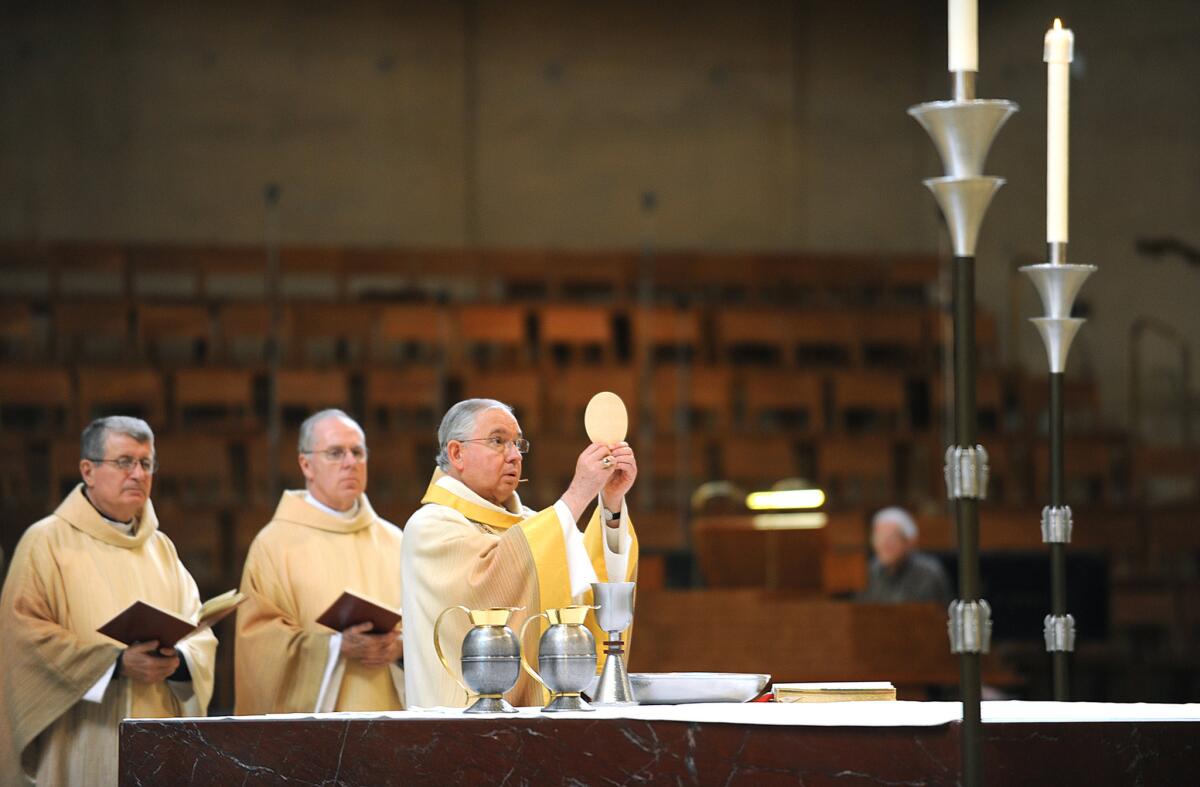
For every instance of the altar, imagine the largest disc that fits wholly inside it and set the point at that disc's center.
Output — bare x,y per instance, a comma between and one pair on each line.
1026,743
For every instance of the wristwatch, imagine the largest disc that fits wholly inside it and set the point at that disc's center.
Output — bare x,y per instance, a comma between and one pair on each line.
607,516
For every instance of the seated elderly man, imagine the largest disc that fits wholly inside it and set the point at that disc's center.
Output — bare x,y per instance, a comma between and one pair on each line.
64,688
475,543
322,540
899,571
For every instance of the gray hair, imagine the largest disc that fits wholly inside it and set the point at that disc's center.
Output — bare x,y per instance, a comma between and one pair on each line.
459,422
903,519
305,443
95,435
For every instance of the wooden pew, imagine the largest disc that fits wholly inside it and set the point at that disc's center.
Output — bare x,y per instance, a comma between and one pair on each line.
702,395
869,401
218,397
302,392
665,334
520,389
824,338
753,334
491,334
797,638
577,333
732,552
406,399
412,332
35,399
779,400
92,330
174,332
122,390
323,333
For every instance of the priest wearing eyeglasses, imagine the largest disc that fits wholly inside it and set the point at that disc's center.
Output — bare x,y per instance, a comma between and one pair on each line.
323,539
64,687
475,543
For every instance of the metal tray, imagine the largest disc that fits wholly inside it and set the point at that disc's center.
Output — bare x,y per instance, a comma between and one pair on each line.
678,688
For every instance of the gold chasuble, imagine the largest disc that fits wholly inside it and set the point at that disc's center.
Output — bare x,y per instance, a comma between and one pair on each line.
70,574
298,565
461,549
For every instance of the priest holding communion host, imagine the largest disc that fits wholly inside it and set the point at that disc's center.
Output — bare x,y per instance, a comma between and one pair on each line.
474,542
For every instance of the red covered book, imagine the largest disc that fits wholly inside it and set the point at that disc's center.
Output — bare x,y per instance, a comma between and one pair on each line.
351,609
143,622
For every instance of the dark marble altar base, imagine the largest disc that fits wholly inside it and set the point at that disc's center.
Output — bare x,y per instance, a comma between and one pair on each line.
223,752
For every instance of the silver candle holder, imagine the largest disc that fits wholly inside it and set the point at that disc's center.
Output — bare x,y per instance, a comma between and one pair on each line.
1058,283
963,130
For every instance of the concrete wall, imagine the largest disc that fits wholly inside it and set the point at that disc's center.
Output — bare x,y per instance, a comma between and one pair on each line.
544,123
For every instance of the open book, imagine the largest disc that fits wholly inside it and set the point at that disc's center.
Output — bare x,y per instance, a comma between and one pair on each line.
143,622
834,692
352,608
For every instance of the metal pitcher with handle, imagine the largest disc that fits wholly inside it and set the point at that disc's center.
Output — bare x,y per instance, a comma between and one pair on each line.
491,657
566,657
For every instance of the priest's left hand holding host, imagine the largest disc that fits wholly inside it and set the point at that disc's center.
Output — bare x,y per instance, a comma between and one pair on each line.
613,469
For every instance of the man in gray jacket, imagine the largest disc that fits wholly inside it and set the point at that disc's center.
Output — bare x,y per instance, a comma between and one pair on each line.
899,571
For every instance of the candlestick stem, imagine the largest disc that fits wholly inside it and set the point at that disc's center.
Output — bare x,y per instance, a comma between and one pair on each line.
963,85
1058,550
1057,250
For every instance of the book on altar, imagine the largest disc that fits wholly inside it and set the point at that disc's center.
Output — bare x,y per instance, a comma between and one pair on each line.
144,622
352,608
834,692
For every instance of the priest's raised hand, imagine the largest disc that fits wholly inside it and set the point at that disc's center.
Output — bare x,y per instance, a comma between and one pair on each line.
144,663
623,475
600,467
372,650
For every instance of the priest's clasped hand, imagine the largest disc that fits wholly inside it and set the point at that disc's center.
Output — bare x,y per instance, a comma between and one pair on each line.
373,650
144,663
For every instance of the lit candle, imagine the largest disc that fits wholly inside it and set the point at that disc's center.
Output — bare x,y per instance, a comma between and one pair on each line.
964,35
1058,52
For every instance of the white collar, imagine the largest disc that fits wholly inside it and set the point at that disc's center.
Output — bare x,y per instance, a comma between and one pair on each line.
348,514
462,490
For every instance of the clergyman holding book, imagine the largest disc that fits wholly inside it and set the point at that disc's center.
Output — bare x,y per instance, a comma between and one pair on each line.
322,541
64,687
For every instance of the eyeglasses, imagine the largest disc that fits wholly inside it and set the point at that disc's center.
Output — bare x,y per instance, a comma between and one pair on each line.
502,445
126,463
337,454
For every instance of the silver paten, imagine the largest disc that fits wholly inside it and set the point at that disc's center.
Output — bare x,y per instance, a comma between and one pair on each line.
678,688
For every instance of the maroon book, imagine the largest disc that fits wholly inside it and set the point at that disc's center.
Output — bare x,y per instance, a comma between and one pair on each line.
142,622
351,609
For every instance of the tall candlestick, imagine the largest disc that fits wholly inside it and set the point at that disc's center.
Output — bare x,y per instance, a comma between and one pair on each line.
1058,53
964,35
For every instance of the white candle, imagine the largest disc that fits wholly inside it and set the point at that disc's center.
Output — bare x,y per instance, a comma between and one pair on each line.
964,35
1058,52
